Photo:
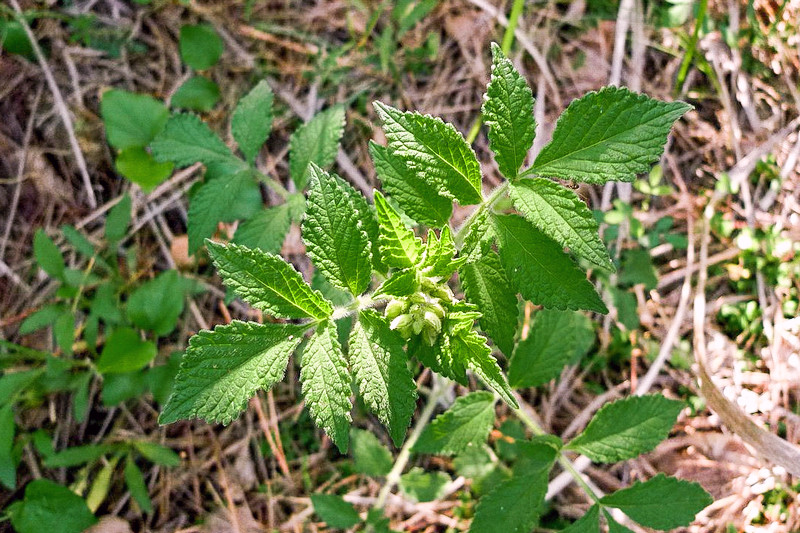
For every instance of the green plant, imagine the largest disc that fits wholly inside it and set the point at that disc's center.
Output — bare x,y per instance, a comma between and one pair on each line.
415,316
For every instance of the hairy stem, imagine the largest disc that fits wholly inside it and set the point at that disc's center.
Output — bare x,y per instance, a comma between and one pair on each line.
460,234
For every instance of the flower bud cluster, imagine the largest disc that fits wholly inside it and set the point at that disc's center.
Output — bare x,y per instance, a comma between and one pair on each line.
421,313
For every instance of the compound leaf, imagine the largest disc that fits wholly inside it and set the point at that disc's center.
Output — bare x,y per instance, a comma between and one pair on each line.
611,134
508,111
661,502
467,423
627,428
380,367
267,282
316,141
540,270
335,239
223,369
561,215
186,140
251,122
435,151
399,246
326,384
486,285
417,198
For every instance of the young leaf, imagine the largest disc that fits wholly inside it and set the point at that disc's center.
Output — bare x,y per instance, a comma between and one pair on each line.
435,151
267,282
156,305
418,199
508,111
370,456
156,453
486,285
125,351
47,255
540,270
223,369
134,480
77,455
118,219
399,246
316,141
588,523
472,348
611,134
221,199
516,503
197,94
186,140
561,215
401,283
438,256
251,123
266,230
627,428
334,511
52,505
335,240
422,486
200,46
326,384
136,164
131,120
661,502
380,367
556,338
467,423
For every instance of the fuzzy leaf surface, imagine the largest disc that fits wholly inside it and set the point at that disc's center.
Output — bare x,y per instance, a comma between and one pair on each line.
627,428
223,369
610,134
399,246
486,285
326,384
465,424
186,140
661,502
539,269
472,348
316,141
561,215
508,111
380,367
435,151
556,338
266,230
267,282
251,123
333,233
419,199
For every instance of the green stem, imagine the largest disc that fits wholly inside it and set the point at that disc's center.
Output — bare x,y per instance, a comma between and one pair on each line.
440,388
687,59
461,233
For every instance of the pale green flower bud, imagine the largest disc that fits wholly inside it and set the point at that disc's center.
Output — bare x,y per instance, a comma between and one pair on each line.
401,322
395,308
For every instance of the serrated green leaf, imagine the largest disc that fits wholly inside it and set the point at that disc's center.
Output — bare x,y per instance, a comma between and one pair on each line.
131,120
266,230
48,503
251,123
435,151
369,223
380,367
485,284
125,351
200,46
198,93
399,246
539,269
465,424
438,256
508,111
517,503
472,348
556,338
401,283
185,140
440,357
422,486
223,369
370,456
47,255
588,523
316,141
661,502
627,428
267,282
334,511
418,199
611,134
326,384
136,164
333,234
561,215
